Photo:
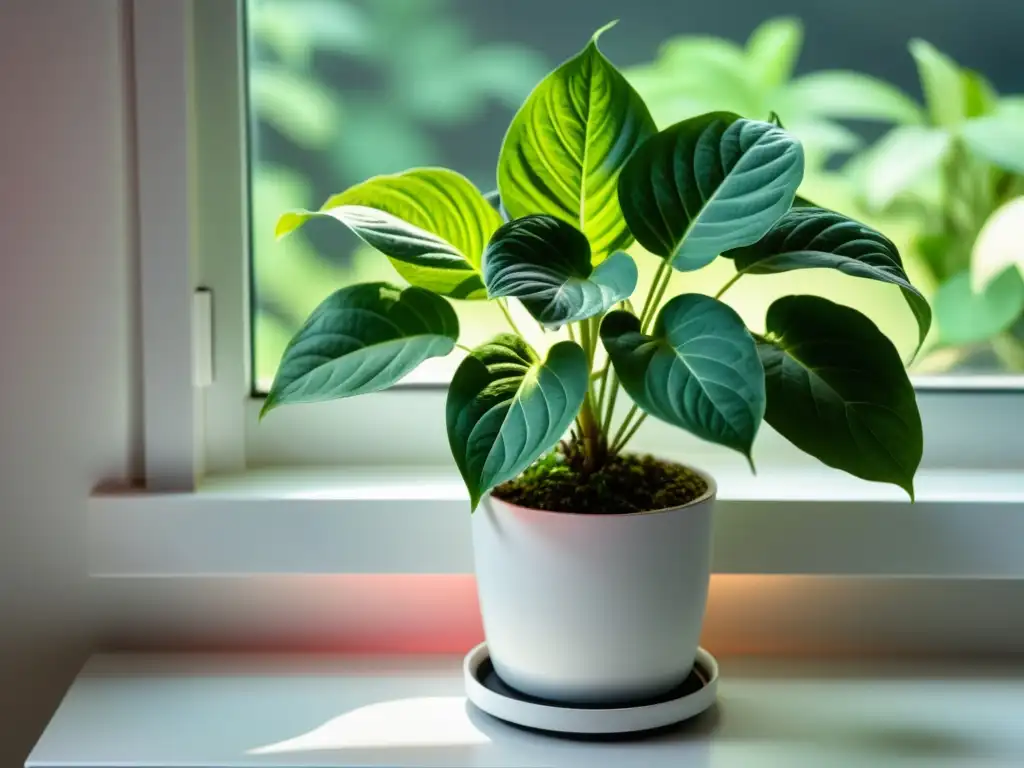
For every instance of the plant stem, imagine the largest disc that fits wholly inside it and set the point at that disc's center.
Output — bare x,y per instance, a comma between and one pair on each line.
590,427
732,281
658,295
653,290
618,445
508,316
624,425
464,347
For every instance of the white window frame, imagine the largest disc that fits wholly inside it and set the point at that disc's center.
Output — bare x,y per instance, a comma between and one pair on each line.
213,464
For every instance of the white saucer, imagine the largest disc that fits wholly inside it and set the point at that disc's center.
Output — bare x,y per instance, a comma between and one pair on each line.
487,691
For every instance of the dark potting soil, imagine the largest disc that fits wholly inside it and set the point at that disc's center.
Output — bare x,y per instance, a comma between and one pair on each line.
626,484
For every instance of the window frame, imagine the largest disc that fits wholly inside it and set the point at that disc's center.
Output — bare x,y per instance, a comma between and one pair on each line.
189,98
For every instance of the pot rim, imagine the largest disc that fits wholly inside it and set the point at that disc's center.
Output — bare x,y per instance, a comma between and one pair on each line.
709,495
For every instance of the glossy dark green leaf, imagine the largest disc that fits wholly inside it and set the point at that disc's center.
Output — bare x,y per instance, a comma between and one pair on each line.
709,184
838,390
506,407
567,144
545,263
431,223
809,238
361,339
968,317
699,369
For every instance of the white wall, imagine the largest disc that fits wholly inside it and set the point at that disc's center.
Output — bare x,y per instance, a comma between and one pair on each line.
66,344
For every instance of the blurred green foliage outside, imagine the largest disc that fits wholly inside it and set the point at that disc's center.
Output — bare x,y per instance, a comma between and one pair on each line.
341,90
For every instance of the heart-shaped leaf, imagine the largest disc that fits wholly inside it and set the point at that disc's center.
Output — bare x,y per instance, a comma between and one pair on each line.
966,317
567,144
506,407
431,223
545,263
709,184
361,339
838,390
699,370
808,238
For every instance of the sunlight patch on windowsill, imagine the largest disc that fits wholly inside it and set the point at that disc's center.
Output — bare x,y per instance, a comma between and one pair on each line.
436,721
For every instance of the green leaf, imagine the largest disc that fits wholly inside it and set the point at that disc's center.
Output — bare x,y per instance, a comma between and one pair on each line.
545,263
899,160
997,138
999,244
966,317
851,95
980,98
431,223
709,184
941,82
361,339
773,49
699,370
809,238
301,108
838,390
506,407
567,144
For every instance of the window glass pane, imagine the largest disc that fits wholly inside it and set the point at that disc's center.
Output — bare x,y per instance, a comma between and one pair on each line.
340,90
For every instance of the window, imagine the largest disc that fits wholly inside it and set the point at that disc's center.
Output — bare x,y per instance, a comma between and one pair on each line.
340,90
202,213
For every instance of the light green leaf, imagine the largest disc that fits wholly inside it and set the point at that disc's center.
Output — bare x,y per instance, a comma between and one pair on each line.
851,95
899,160
431,223
837,390
545,263
997,138
299,107
824,136
709,184
567,144
773,49
980,98
361,339
966,317
808,238
999,245
506,407
699,370
941,82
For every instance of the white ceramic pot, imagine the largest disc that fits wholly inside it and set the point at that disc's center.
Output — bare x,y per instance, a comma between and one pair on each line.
593,608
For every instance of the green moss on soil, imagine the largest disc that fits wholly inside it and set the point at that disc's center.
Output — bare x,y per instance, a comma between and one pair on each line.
626,483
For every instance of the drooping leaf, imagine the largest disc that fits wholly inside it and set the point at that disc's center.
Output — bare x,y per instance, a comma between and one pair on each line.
709,184
999,245
773,49
362,339
567,144
941,82
998,138
838,390
809,238
545,263
899,160
851,95
698,370
506,407
966,317
431,223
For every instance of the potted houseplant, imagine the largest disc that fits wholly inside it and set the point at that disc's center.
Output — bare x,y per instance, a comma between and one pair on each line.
593,563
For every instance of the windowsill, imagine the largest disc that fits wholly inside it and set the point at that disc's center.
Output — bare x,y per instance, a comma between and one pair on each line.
275,712
965,524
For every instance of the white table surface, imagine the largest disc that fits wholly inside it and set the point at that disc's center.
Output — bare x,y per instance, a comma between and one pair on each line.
229,711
